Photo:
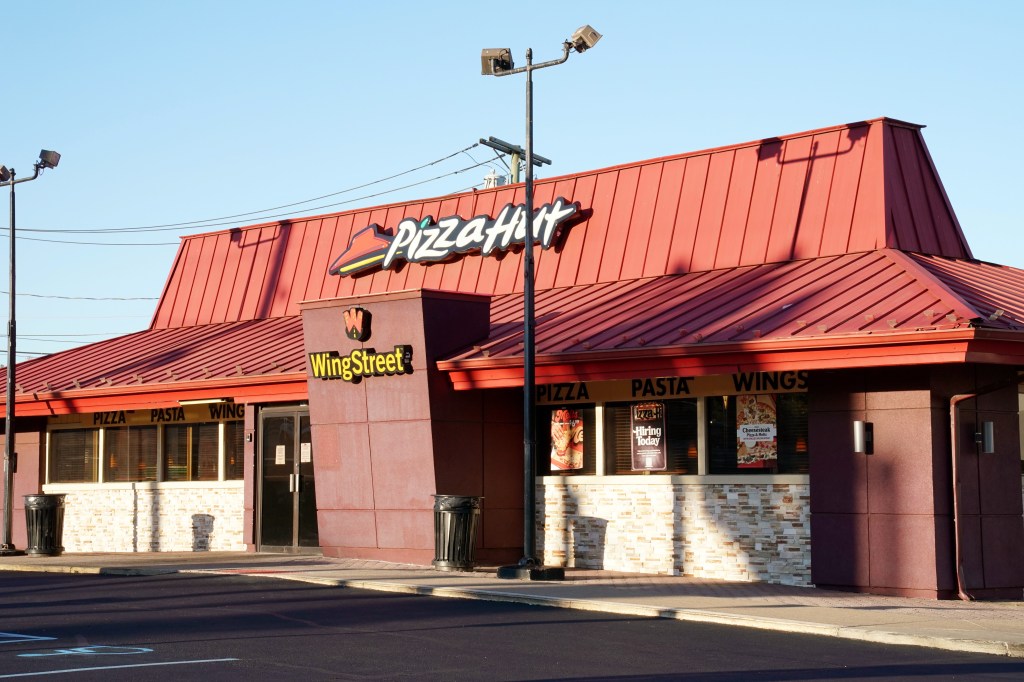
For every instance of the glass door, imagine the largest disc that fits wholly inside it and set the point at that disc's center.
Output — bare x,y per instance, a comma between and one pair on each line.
287,488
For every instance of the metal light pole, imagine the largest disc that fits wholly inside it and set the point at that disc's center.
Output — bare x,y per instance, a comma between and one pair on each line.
47,159
498,62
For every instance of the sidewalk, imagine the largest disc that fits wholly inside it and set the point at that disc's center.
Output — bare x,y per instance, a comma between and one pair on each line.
980,627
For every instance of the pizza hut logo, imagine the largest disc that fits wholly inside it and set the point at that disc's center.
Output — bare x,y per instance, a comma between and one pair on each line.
357,324
430,241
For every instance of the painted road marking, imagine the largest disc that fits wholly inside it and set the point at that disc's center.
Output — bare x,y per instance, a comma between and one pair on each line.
14,638
115,667
94,650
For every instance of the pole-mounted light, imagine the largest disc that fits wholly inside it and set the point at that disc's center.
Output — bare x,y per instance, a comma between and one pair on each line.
498,62
8,178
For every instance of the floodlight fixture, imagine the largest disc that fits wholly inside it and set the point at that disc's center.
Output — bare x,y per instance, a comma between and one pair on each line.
584,38
48,159
495,60
5,174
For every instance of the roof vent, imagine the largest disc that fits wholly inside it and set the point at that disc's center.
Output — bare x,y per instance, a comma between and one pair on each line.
492,179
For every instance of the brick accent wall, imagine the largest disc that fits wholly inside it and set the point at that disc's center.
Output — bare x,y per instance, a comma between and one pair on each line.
746,531
147,518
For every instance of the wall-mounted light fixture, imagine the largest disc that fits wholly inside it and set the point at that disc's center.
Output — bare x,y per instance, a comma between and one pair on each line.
986,438
204,401
864,437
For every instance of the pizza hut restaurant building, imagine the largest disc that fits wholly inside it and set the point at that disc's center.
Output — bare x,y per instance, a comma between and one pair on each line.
774,361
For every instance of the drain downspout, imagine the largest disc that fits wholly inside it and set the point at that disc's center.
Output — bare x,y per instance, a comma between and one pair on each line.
953,429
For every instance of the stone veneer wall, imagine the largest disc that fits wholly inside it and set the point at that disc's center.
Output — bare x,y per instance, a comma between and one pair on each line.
147,517
745,531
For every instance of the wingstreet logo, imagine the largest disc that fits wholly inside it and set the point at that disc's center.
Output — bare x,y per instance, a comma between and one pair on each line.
426,241
360,363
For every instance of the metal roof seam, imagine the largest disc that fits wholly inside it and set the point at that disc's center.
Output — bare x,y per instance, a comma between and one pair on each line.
721,221
975,282
928,279
857,192
964,246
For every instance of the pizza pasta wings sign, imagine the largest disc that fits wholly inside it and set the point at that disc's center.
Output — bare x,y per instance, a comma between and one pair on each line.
430,241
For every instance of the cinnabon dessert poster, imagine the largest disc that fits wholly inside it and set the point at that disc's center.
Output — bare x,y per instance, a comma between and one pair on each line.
757,443
647,440
566,440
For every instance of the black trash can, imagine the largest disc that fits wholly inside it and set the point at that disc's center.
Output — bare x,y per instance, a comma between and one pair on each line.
44,519
455,521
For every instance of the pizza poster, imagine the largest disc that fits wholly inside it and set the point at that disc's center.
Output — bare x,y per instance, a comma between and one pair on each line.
647,439
566,440
757,442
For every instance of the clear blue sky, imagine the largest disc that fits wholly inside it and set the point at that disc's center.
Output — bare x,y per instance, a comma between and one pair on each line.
190,110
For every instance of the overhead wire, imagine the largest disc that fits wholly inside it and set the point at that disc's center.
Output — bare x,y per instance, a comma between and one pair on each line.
212,222
280,215
87,298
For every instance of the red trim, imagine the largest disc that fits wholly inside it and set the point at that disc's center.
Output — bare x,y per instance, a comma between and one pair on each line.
283,388
727,358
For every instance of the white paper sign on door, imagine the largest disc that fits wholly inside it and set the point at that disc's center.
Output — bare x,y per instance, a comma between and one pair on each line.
279,454
305,452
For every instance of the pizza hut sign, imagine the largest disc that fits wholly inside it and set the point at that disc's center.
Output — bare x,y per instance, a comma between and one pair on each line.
430,241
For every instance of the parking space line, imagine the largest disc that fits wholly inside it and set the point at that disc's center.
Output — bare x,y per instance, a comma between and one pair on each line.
114,667
14,638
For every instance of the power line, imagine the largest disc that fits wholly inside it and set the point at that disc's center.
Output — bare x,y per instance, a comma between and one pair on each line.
46,337
200,223
89,298
67,241
279,215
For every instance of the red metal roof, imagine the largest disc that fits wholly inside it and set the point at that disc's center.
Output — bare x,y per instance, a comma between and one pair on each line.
820,306
159,366
844,189
996,292
783,245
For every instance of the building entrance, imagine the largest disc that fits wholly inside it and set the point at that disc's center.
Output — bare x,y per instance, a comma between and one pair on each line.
287,509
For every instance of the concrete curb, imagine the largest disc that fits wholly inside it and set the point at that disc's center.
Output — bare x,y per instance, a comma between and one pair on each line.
874,634
87,570
860,633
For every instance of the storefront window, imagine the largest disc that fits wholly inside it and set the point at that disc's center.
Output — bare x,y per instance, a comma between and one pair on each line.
566,440
757,434
653,436
234,468
129,454
191,452
73,456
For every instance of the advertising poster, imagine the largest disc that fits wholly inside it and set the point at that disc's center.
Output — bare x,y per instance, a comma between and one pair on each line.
647,425
757,443
566,440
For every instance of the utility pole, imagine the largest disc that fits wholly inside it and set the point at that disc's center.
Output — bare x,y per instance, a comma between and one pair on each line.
516,152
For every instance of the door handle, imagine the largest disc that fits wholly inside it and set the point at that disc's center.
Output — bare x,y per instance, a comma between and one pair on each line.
291,483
